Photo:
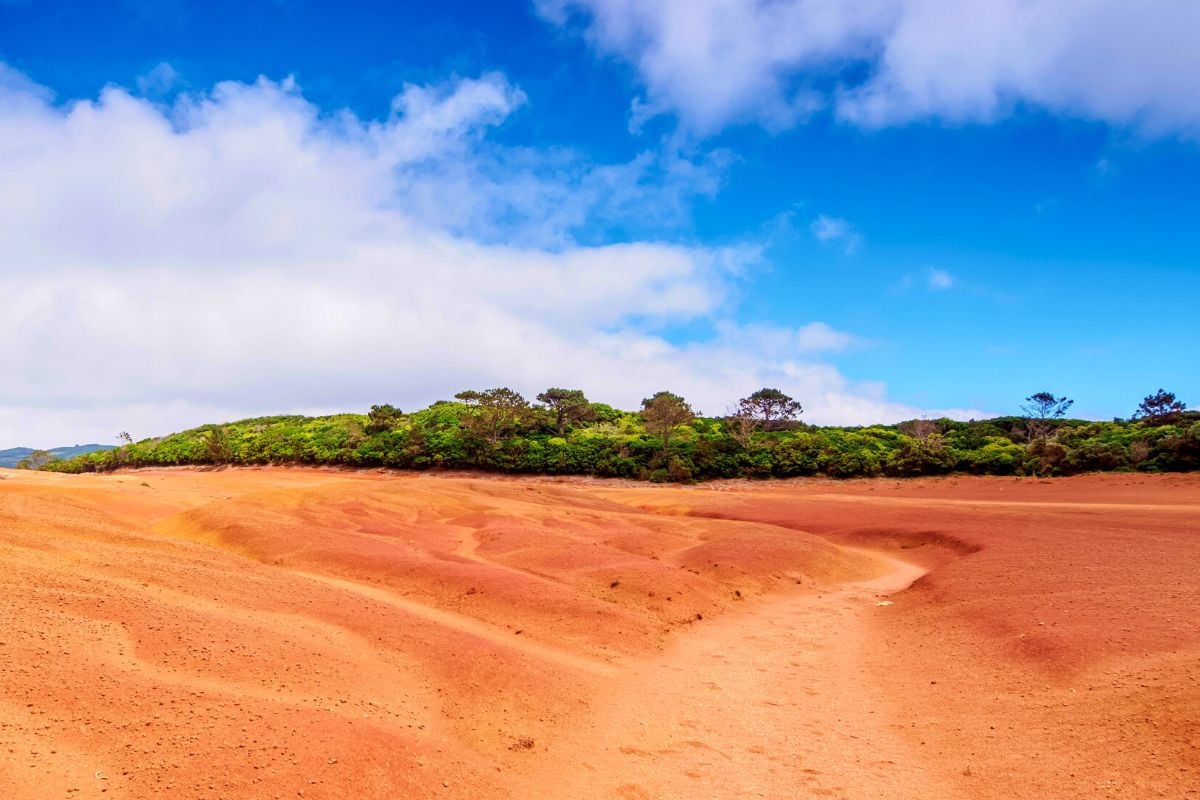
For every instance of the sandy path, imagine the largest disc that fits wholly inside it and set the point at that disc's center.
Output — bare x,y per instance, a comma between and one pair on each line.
770,704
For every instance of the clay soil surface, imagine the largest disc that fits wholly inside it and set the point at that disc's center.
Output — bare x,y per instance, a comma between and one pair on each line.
283,633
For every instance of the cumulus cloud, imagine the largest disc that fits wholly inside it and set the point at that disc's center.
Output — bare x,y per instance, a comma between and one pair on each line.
722,60
836,231
771,61
239,251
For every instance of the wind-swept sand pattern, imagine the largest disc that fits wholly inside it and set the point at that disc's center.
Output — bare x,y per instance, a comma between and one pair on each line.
283,633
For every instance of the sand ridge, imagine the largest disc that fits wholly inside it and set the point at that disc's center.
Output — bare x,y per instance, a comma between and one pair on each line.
272,632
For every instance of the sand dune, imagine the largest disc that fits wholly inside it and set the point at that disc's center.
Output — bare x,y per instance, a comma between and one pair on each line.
284,633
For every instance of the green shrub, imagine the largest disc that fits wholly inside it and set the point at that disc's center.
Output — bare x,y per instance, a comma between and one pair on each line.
608,442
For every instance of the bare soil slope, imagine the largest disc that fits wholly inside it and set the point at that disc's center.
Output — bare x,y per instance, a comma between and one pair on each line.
284,633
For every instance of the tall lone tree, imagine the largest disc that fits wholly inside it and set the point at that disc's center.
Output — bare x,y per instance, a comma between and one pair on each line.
663,413
1159,408
770,408
1042,408
569,407
495,413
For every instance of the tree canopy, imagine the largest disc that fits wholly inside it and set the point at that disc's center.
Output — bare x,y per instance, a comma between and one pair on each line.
495,413
770,408
663,413
569,407
382,418
1042,409
1044,405
497,430
1160,407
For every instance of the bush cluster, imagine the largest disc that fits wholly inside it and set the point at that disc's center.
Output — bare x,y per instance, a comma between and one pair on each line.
497,431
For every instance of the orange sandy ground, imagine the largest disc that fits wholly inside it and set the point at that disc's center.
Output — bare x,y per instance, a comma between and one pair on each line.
286,633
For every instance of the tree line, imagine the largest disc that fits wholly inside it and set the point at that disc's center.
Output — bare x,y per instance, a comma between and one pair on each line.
762,436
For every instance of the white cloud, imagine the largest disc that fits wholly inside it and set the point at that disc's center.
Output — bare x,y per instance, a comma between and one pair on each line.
836,231
721,60
239,252
938,280
773,61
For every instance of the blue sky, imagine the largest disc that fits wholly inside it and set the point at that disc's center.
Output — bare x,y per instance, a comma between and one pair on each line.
885,209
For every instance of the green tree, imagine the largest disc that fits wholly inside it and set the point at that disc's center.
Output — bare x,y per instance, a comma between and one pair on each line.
383,418
495,413
569,407
663,413
218,448
769,408
1160,408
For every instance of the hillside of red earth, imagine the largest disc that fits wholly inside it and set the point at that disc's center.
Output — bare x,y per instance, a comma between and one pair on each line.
282,633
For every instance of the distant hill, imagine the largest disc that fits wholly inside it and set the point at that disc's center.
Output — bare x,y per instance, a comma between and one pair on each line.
13,456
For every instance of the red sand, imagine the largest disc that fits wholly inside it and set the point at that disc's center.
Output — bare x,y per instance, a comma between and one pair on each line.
285,633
